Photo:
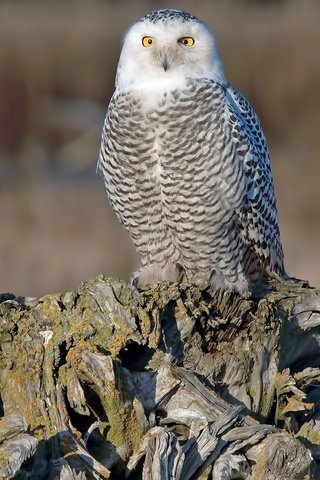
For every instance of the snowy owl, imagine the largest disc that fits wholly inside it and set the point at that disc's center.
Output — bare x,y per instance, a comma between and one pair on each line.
185,162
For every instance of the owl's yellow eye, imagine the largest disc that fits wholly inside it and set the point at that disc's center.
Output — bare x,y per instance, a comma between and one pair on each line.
187,41
148,41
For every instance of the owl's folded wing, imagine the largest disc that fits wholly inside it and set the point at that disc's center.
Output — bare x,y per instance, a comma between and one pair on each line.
257,217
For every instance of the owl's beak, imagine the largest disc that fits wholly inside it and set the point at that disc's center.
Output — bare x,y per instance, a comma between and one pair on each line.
165,62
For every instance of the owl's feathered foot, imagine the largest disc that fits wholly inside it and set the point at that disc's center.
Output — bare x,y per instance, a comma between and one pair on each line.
221,282
156,273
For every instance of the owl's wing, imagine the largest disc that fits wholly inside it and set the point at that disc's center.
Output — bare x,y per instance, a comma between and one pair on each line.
257,217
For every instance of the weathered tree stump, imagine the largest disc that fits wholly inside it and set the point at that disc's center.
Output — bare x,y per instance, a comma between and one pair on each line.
166,383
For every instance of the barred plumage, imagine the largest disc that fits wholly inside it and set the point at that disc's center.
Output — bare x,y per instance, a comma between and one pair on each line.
185,162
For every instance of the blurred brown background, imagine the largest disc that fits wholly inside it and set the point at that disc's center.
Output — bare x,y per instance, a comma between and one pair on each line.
57,67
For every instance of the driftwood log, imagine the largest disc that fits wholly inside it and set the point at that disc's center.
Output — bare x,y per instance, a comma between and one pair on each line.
168,383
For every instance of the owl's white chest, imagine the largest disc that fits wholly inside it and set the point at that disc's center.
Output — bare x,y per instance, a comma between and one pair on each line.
153,93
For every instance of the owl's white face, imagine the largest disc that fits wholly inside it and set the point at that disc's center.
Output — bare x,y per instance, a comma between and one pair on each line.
164,54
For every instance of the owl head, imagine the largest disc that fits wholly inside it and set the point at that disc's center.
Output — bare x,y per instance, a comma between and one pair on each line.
167,47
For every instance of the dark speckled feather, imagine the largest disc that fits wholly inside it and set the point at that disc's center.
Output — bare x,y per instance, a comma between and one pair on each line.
168,14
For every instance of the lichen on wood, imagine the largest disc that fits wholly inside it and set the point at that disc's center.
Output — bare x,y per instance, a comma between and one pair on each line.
168,382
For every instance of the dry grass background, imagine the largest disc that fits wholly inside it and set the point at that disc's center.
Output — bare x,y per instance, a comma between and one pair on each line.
57,65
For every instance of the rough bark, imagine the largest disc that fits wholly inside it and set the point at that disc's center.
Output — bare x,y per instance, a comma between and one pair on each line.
170,382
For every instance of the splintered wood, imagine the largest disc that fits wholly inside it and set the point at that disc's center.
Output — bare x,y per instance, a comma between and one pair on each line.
165,383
